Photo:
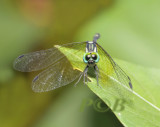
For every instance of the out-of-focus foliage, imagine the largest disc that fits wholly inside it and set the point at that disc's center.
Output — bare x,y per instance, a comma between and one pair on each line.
19,106
16,36
129,31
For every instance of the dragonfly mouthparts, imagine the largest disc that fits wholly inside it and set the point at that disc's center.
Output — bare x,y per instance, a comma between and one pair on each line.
91,62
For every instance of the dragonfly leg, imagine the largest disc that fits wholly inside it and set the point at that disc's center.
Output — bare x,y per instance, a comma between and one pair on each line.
97,74
85,74
82,74
84,79
78,79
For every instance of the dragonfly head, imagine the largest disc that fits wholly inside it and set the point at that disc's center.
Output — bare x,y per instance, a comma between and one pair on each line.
91,58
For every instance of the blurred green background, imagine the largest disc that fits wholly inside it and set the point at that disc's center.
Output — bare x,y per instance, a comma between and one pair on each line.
129,31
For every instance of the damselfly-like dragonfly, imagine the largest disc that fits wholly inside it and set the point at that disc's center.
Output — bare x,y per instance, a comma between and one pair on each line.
66,63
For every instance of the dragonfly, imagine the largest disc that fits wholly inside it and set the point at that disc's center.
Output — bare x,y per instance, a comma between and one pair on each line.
67,63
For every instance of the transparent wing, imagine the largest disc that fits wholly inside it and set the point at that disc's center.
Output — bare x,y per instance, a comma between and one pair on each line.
61,72
41,59
112,76
114,70
57,75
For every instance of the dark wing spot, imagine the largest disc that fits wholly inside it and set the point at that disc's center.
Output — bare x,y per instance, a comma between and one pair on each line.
20,56
35,78
130,84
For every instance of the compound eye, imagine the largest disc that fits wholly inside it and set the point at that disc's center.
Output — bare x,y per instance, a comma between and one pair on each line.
94,56
88,57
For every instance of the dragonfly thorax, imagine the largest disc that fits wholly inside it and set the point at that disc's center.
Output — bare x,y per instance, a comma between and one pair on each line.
91,47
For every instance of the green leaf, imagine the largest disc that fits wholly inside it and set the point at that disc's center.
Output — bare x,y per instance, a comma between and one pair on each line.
137,107
143,109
